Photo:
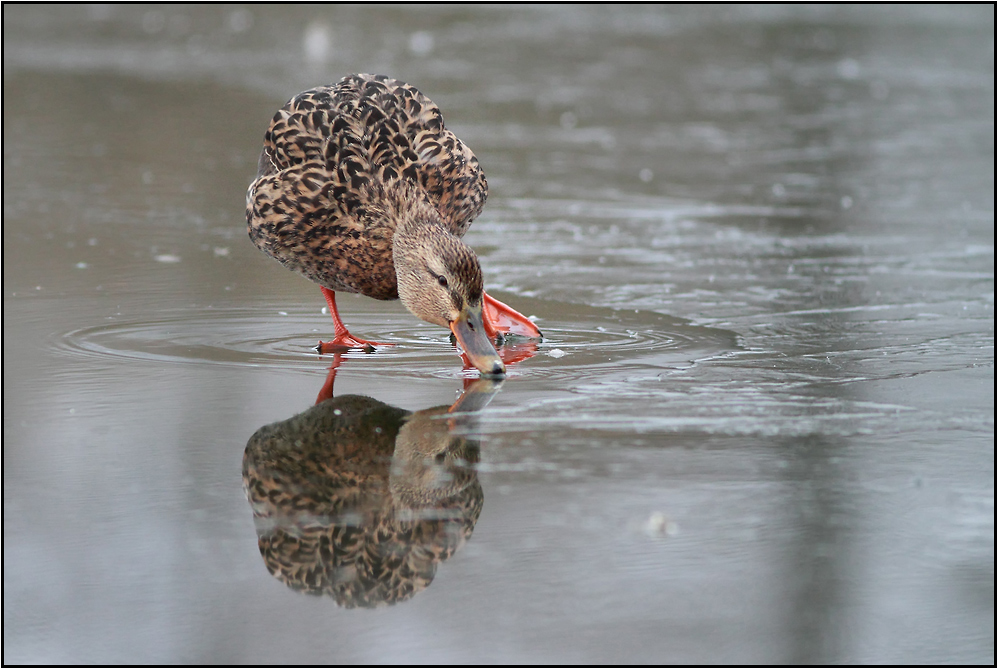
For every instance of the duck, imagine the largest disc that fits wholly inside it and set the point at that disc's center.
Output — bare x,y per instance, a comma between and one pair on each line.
361,188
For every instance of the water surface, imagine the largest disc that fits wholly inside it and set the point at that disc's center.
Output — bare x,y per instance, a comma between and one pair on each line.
760,427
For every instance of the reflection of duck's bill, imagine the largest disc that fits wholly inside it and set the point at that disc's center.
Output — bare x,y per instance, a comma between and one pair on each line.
469,330
477,394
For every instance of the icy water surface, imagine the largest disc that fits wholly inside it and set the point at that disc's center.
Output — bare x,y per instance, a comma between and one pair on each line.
760,427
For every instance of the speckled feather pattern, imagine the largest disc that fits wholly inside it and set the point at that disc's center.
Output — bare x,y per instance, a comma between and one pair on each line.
342,165
327,521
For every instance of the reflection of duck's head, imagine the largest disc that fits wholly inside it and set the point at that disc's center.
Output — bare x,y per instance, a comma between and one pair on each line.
359,500
430,463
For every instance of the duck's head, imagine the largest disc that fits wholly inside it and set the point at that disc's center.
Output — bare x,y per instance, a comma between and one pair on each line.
440,281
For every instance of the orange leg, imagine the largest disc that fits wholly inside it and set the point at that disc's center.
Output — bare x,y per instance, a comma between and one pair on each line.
342,340
500,318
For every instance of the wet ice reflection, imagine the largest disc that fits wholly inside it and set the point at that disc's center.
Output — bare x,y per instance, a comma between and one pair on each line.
361,501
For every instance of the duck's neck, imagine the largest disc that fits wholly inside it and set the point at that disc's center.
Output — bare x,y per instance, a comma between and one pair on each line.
425,252
417,222
419,228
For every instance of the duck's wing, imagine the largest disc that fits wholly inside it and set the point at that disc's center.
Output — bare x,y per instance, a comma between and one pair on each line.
372,128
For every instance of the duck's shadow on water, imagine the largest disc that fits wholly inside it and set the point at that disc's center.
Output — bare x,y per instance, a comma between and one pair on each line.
361,501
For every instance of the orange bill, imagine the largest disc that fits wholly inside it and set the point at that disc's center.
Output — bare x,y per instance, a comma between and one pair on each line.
511,353
469,330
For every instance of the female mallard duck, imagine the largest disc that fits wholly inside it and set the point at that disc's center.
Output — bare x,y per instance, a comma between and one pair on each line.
361,189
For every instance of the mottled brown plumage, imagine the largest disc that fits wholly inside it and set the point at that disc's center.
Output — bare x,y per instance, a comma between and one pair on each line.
359,500
342,165
361,188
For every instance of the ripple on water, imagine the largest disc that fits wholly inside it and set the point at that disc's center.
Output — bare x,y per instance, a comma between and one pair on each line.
591,342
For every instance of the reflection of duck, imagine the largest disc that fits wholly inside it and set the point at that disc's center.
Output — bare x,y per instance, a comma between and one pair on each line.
361,189
360,500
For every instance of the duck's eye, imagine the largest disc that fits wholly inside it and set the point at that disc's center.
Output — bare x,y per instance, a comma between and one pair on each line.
442,280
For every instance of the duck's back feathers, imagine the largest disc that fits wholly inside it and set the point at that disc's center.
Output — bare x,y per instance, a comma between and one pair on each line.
341,164
372,128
